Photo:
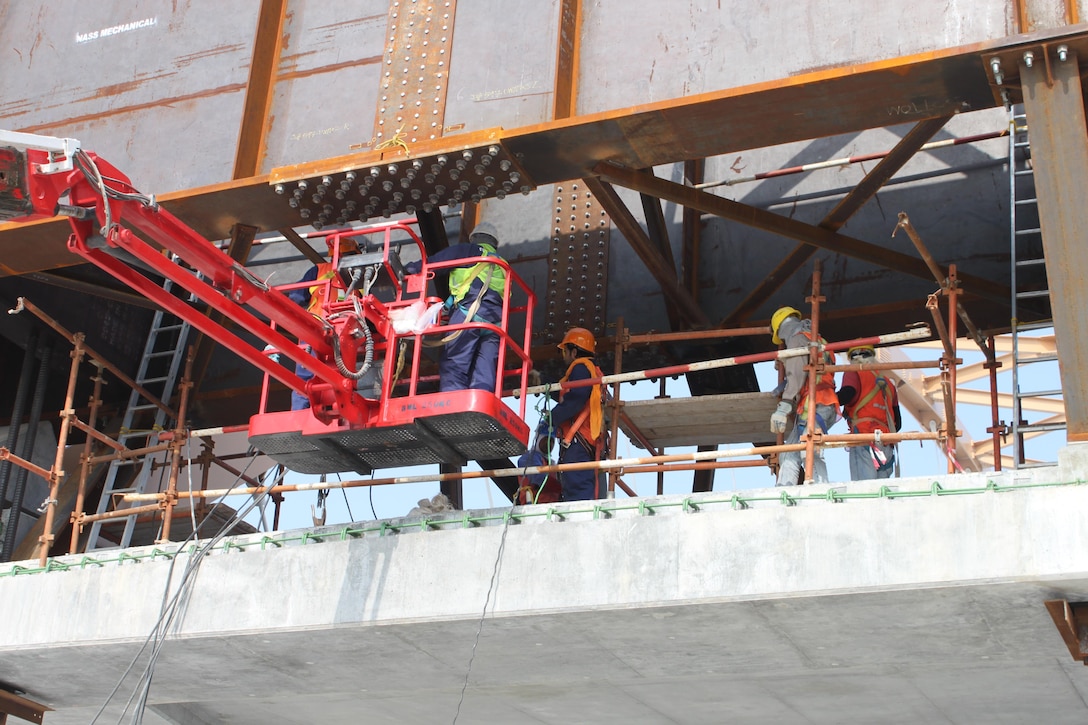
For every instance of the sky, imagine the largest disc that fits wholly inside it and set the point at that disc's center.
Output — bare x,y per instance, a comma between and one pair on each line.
916,458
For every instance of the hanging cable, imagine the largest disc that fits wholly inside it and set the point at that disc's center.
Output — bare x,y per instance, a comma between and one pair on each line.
169,608
483,614
347,504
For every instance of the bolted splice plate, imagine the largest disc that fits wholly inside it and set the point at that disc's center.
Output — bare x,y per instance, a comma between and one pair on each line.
366,186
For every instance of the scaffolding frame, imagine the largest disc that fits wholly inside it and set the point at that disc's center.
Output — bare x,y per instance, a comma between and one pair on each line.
164,503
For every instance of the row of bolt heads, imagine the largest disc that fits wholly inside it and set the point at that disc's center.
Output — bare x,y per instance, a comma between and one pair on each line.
1029,61
440,164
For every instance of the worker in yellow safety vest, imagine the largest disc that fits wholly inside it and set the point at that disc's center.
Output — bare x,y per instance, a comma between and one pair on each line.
789,329
470,359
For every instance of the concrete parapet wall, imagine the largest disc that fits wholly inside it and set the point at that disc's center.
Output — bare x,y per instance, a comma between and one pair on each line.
713,547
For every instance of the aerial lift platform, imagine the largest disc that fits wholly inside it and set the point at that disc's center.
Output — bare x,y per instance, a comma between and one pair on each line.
370,407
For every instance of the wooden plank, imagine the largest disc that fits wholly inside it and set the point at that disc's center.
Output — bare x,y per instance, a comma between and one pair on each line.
704,420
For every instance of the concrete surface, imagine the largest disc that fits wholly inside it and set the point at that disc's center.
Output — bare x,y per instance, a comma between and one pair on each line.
817,609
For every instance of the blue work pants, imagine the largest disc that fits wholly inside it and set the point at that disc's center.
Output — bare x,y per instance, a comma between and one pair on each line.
470,360
579,485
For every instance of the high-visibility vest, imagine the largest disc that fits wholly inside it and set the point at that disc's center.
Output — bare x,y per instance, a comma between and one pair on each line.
590,422
325,272
461,278
873,405
825,386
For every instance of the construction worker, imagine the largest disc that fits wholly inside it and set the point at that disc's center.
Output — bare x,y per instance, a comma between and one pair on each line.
789,328
313,298
870,405
470,359
577,422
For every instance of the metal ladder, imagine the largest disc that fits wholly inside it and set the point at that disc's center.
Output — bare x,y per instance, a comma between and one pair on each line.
1028,271
163,354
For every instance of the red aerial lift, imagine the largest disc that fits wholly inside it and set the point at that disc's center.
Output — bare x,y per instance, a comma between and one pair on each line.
371,407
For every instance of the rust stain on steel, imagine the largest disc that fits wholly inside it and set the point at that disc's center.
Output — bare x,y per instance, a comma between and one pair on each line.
349,23
290,75
135,107
256,116
210,53
412,96
578,270
567,59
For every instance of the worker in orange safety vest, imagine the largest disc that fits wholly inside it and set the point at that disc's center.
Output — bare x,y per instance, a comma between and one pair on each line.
788,328
577,422
870,405
313,299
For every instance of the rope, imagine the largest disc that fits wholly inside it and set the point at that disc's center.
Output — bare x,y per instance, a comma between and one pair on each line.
483,614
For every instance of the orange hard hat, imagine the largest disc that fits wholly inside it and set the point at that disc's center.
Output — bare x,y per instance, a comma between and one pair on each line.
579,337
348,245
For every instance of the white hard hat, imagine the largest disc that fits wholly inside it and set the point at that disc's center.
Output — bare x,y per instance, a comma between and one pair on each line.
486,228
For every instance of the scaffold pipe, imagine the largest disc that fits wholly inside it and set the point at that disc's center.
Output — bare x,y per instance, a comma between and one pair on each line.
893,338
827,441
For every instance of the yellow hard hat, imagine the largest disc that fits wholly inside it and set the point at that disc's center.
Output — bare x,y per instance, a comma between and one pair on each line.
579,337
862,351
778,318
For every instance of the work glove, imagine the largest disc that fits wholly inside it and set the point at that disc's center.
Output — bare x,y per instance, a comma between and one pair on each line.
781,416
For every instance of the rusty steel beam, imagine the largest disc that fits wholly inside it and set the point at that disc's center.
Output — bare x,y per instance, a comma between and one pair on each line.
1071,619
91,288
658,234
1039,14
809,105
647,252
903,152
777,224
22,708
567,59
1054,103
256,111
301,245
692,231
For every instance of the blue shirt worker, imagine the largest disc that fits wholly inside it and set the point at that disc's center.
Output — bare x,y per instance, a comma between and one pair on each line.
578,420
312,299
470,360
787,327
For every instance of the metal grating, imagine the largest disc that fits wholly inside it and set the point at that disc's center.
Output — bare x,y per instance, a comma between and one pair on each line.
284,443
462,424
471,435
578,278
402,457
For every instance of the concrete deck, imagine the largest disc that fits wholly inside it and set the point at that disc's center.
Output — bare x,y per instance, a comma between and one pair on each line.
853,607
